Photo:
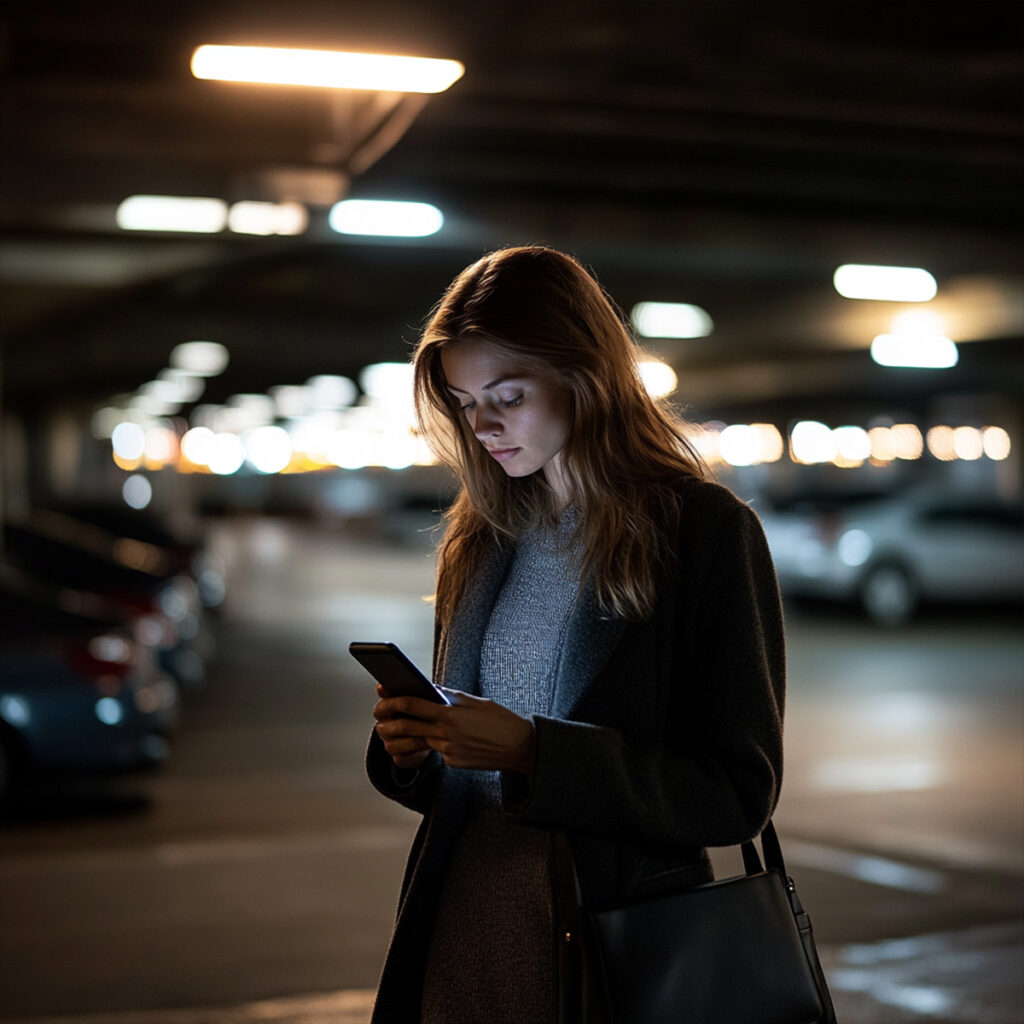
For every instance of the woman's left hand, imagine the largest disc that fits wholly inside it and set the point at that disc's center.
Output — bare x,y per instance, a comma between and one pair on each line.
472,732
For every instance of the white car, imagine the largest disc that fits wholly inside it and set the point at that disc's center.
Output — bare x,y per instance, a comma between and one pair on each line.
890,552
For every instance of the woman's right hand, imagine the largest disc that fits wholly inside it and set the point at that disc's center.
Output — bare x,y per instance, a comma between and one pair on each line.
407,752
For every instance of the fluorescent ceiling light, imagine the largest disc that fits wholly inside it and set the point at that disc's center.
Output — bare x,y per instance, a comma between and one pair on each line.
172,213
385,217
659,379
671,320
889,284
916,351
203,358
250,218
811,442
332,69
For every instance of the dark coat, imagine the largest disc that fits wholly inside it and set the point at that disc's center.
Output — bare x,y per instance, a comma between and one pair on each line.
665,736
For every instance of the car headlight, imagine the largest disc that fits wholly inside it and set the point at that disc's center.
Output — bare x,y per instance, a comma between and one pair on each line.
109,711
854,548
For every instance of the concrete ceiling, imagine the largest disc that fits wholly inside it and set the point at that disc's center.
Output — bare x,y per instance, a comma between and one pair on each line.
708,152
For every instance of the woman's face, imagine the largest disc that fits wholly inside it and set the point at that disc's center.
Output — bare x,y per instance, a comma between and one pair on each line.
520,417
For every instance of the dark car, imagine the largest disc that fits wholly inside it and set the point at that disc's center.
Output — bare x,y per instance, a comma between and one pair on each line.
148,580
79,692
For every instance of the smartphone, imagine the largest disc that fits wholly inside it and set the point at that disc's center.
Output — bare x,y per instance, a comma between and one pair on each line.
395,672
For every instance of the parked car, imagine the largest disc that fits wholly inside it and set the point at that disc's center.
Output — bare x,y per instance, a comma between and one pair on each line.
891,552
144,577
185,552
79,692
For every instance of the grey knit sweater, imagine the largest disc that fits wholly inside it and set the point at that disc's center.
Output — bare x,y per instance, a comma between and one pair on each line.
490,957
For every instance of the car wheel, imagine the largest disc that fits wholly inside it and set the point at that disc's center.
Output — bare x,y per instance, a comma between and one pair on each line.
888,594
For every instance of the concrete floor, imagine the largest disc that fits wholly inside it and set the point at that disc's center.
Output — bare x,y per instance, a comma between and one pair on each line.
254,878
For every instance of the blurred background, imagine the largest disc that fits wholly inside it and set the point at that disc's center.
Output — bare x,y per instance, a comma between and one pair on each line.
211,481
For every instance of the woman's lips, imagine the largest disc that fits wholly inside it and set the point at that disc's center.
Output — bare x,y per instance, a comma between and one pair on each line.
503,454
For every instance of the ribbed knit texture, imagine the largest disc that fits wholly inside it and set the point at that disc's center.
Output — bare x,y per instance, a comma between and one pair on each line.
491,953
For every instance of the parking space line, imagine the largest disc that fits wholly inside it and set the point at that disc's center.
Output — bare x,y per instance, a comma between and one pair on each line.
882,871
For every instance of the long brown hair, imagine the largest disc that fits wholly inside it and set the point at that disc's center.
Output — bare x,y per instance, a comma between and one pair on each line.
624,454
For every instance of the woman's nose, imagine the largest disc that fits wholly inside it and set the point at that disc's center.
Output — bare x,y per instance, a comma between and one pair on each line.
486,423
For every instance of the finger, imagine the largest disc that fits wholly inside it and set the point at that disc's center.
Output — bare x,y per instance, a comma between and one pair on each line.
457,697
425,710
392,728
406,745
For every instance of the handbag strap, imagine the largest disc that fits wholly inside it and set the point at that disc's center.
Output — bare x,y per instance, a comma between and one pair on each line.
771,848
566,884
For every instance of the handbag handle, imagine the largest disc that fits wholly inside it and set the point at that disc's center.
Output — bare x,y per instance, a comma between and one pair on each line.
771,848
566,884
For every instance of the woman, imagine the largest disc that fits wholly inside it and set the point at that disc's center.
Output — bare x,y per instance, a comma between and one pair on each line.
609,629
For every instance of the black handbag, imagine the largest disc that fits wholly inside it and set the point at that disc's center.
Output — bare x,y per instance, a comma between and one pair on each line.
735,951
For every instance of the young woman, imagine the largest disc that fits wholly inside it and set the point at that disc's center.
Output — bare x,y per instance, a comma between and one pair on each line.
608,626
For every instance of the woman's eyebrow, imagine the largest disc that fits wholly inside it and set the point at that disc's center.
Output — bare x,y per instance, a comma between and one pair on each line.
489,385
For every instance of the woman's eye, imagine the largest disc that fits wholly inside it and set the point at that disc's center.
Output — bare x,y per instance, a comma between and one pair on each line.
467,407
512,402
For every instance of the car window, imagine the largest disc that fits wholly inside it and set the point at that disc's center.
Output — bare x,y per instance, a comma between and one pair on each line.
1004,517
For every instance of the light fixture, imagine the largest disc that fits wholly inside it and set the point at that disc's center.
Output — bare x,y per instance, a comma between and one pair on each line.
202,358
889,284
332,69
671,320
197,214
811,442
388,218
921,352
252,218
659,379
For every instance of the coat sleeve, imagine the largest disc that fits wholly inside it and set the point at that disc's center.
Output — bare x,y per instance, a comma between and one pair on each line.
413,789
711,776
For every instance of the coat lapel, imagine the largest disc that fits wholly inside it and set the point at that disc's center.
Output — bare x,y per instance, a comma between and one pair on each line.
460,658
588,641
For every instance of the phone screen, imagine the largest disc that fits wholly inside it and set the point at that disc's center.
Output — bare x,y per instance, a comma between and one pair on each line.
395,672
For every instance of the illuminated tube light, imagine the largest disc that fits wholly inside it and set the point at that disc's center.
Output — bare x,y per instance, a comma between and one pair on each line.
907,442
389,218
671,320
968,444
251,218
197,445
202,358
740,445
328,391
227,454
889,284
812,442
137,491
188,387
915,352
128,441
853,445
268,449
770,440
659,379
379,380
940,443
172,213
882,447
996,443
331,69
